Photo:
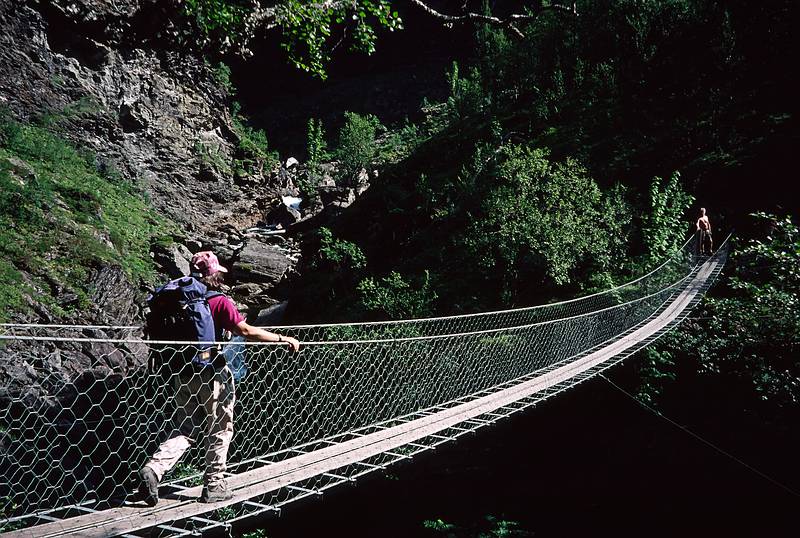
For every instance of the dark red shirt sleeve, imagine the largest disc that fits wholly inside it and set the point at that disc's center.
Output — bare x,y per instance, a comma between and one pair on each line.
225,313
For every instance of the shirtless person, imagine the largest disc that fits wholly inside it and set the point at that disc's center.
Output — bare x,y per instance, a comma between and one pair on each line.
704,227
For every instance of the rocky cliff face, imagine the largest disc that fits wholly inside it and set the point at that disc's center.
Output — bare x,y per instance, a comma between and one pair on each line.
157,116
153,114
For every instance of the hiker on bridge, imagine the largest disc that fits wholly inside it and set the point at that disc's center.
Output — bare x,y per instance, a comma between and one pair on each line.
704,229
205,392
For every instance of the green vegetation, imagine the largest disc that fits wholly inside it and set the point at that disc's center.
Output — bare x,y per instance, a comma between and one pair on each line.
490,527
357,144
308,29
62,214
315,142
663,226
546,219
259,533
538,176
185,470
225,514
222,75
342,254
394,298
253,155
317,152
399,144
746,339
213,156
8,509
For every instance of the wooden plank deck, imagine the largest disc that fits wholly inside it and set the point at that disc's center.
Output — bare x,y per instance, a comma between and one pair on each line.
263,480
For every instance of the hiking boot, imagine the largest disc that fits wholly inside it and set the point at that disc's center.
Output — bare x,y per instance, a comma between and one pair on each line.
215,492
148,486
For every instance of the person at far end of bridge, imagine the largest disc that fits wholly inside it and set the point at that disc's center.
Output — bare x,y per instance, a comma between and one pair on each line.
205,395
704,229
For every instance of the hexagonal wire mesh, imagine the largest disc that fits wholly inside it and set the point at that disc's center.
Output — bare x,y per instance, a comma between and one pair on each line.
100,399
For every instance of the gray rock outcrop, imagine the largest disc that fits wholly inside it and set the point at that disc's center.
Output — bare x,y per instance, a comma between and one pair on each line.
157,116
262,263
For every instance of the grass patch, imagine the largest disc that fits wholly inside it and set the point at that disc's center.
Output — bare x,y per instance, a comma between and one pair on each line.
61,214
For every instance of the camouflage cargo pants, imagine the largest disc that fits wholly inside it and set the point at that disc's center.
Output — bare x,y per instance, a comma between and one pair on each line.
204,404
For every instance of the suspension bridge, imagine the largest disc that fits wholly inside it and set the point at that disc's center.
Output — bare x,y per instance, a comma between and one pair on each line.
356,399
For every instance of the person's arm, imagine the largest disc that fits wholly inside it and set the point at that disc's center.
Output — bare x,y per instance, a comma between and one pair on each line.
257,334
698,224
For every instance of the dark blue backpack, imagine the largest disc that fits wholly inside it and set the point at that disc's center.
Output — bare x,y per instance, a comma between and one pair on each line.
179,310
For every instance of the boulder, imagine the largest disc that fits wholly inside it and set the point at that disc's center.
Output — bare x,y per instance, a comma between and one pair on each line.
260,262
340,197
194,245
271,316
173,259
248,289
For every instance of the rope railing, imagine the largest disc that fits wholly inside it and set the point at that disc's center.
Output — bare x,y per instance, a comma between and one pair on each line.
76,437
655,279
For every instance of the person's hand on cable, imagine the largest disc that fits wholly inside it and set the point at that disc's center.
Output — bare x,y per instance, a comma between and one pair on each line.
258,334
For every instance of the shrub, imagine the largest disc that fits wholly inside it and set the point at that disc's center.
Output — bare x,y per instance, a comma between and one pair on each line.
222,74
466,95
395,298
316,148
664,225
253,154
339,252
400,143
357,143
316,145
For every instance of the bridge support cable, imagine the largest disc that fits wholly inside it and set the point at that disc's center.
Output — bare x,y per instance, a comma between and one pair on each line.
358,397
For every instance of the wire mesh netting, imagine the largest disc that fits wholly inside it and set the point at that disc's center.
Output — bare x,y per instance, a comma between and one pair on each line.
101,398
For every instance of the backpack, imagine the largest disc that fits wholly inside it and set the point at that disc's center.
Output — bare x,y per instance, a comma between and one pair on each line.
179,311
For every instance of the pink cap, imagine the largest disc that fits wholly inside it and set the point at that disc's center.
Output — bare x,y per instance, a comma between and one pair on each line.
206,263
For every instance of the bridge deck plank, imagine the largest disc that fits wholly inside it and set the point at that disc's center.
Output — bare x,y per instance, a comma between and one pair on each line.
266,479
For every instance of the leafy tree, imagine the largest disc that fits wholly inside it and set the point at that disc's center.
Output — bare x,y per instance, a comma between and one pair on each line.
357,143
664,224
548,217
309,29
394,297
